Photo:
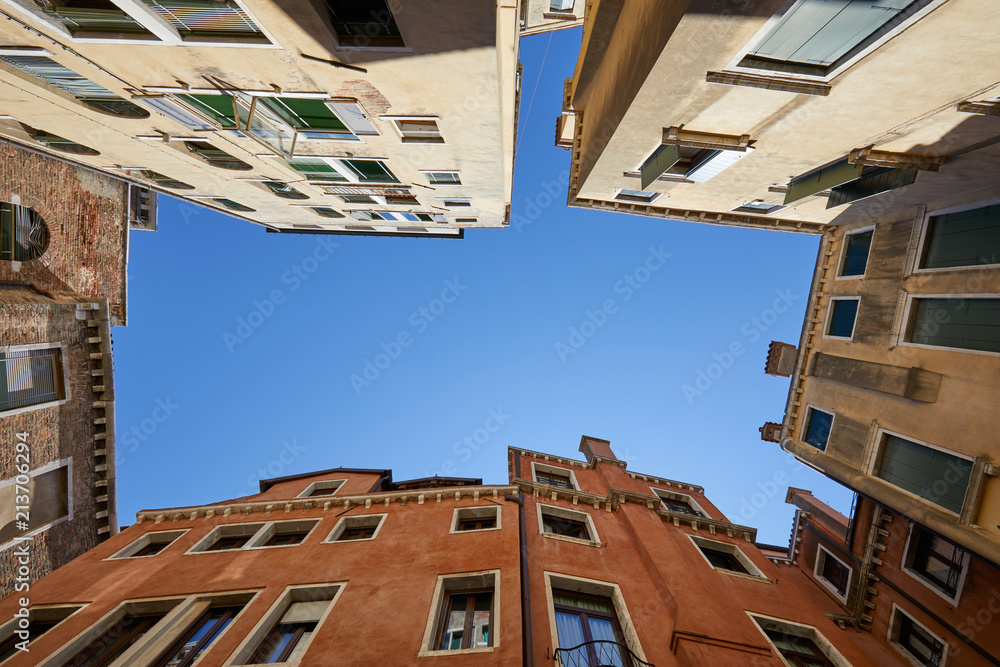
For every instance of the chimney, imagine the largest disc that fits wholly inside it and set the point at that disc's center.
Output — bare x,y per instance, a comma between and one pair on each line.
780,359
770,432
592,447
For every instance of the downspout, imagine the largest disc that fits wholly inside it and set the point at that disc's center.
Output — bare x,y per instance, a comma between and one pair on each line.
527,646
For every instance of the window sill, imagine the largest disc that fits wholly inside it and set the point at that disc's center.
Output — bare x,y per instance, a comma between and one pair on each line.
752,577
460,651
575,540
935,589
479,530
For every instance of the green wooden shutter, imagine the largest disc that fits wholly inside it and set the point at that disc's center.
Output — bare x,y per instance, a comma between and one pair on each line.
966,238
825,178
663,158
937,476
964,323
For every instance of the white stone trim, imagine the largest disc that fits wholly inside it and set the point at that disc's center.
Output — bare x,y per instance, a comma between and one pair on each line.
323,484
822,553
829,317
455,583
755,572
927,582
356,521
682,497
906,320
475,513
537,467
70,487
157,537
763,622
924,224
584,517
843,252
892,636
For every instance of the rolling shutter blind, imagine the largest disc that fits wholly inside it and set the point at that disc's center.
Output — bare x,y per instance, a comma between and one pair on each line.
29,377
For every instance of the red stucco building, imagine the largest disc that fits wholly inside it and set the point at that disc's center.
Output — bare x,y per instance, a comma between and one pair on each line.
574,562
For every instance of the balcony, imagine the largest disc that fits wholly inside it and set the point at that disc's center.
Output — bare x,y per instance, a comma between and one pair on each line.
599,654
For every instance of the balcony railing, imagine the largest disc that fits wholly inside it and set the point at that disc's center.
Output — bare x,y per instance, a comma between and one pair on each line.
205,17
599,653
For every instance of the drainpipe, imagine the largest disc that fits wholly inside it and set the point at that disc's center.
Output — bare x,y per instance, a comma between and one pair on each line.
527,654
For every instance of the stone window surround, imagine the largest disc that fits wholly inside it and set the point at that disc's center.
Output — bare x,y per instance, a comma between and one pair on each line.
926,582
262,531
810,408
335,484
822,553
181,613
154,537
294,593
892,636
537,467
829,316
755,572
40,613
592,587
461,513
63,360
48,467
456,583
843,252
923,220
356,521
904,316
682,497
574,515
798,630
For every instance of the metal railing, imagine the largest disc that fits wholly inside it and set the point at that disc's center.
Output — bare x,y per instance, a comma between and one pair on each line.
599,653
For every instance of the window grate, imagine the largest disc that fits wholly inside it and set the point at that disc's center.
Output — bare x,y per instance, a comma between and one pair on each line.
29,377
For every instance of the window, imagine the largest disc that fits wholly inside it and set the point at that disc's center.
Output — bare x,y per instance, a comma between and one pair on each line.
149,544
418,130
361,24
466,519
91,18
84,90
553,476
582,618
327,212
31,377
286,630
936,562
843,314
456,202
283,533
678,502
799,645
40,621
116,639
560,523
49,500
284,190
163,181
58,143
342,170
847,182
726,557
357,528
928,472
832,572
199,637
964,238
917,644
397,216
561,5
757,206
958,322
817,428
209,20
443,177
23,235
463,615
856,248
696,163
216,157
228,537
815,37
231,205
326,487
637,195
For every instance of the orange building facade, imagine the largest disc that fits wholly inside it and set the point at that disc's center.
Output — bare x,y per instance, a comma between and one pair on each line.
572,563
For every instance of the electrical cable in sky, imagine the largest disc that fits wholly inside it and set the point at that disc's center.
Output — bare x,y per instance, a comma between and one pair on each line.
532,100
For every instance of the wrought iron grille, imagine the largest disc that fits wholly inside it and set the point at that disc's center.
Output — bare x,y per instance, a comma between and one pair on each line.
600,653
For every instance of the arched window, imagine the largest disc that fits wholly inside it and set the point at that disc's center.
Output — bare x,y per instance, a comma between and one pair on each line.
58,143
284,190
215,156
164,181
231,205
23,234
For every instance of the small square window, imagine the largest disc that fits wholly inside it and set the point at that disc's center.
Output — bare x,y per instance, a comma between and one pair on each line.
638,195
40,621
468,519
915,641
679,502
149,544
456,202
856,248
758,206
418,130
357,528
842,317
562,478
284,533
798,644
322,488
937,563
566,524
817,429
726,557
227,538
833,573
443,177
463,616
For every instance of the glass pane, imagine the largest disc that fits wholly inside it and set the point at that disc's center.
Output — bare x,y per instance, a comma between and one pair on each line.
967,238
970,324
929,473
856,255
202,636
217,107
371,171
303,114
844,312
455,623
569,627
481,620
818,429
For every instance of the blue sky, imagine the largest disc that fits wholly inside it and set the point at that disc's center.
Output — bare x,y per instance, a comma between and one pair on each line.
574,322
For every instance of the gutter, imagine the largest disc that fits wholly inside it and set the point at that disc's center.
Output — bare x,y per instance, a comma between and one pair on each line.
527,653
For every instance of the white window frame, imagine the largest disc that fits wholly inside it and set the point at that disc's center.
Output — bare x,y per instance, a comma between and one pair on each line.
537,467
927,582
63,362
829,316
925,223
272,528
415,138
843,253
734,65
799,630
339,165
574,515
445,202
323,484
604,589
682,497
262,531
291,594
805,425
873,463
427,174
892,636
154,537
908,314
755,572
632,199
70,488
456,583
822,553
482,511
355,521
